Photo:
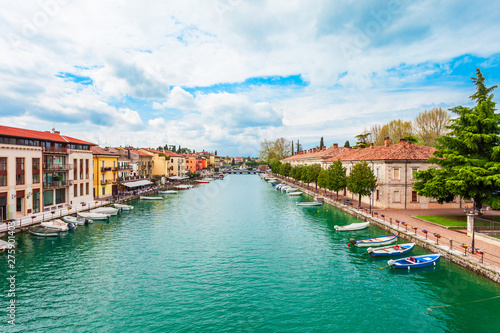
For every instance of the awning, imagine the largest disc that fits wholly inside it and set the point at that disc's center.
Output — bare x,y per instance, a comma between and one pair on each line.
177,178
137,183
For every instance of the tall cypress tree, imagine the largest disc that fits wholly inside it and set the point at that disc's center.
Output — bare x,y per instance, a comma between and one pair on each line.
321,144
292,147
469,156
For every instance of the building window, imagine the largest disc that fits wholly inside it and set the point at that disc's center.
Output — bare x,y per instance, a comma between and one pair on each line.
413,172
48,198
60,196
81,168
414,196
396,173
87,169
103,191
377,195
75,190
36,202
19,171
397,196
87,189
81,189
3,171
75,168
35,170
102,164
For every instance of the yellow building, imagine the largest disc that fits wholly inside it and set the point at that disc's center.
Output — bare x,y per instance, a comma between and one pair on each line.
160,163
105,166
177,164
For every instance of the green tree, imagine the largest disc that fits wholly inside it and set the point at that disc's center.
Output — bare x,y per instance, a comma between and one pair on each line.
321,143
347,144
286,169
469,156
395,130
215,153
362,140
277,150
361,180
313,173
337,177
323,180
299,146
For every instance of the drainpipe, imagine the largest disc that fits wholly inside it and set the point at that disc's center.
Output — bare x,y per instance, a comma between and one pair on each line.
406,180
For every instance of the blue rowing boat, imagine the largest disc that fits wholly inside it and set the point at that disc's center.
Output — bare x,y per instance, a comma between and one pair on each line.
392,250
415,262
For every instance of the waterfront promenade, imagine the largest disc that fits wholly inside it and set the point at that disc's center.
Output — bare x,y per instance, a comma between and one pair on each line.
450,240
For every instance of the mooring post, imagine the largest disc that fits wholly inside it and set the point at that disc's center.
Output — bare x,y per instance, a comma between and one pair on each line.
451,244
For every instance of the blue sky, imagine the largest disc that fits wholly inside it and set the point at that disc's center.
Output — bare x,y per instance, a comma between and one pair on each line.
226,74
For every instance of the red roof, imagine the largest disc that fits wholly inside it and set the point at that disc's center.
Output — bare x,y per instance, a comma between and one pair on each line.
96,150
323,154
400,151
139,152
30,134
172,154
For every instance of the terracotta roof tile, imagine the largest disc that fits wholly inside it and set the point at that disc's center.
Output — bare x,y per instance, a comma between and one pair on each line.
323,154
39,135
96,150
393,152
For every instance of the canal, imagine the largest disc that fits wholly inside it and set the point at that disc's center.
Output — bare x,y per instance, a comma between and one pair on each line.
234,255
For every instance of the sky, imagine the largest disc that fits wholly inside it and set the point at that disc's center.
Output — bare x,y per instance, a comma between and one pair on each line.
224,75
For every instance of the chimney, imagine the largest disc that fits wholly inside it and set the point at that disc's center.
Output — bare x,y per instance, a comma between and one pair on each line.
315,150
324,148
57,132
335,145
386,141
402,141
371,145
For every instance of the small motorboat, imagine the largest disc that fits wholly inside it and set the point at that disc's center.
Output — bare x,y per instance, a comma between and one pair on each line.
93,216
151,198
209,178
221,176
58,225
5,246
391,250
44,232
105,210
353,226
290,189
295,194
272,181
415,262
77,220
182,187
123,207
309,203
375,241
168,192
201,181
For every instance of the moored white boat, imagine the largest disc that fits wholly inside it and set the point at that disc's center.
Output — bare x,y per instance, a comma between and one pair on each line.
309,203
201,181
374,241
58,225
182,187
391,250
415,262
168,192
123,207
77,220
105,210
290,189
294,194
352,226
44,232
93,216
151,198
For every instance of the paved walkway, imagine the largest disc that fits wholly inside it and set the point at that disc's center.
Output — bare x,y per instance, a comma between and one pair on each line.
491,247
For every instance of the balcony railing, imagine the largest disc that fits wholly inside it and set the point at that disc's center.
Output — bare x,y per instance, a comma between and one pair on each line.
107,181
106,169
55,150
59,183
125,167
57,167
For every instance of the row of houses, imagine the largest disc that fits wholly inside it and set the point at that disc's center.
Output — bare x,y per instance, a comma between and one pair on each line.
43,171
394,166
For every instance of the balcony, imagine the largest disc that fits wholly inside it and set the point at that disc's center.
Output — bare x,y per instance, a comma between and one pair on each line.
55,150
57,167
106,169
56,184
124,167
107,181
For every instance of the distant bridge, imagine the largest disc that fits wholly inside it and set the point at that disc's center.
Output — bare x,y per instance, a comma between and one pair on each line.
243,172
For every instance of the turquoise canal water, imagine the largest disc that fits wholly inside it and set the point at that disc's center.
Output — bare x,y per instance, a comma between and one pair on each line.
234,255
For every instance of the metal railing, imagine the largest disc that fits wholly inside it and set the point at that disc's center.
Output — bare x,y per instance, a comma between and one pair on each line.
57,167
55,150
54,184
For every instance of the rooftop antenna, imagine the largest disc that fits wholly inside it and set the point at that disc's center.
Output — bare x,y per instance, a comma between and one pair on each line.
53,127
